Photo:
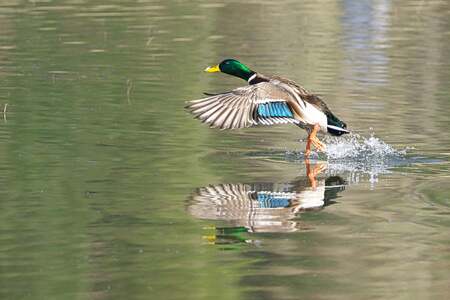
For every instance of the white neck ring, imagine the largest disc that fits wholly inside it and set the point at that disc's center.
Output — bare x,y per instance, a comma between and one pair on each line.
251,78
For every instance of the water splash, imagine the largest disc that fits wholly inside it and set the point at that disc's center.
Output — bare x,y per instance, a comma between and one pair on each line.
363,157
351,148
358,147
359,158
354,157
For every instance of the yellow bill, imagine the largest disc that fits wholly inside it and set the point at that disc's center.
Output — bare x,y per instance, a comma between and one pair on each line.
212,69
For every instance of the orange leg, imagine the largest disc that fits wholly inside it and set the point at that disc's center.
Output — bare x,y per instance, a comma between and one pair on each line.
312,138
312,179
319,145
308,147
318,168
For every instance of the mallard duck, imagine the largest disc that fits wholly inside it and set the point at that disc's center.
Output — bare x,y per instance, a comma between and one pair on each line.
267,100
266,206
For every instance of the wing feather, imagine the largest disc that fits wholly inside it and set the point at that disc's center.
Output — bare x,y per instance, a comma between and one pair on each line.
222,119
229,120
239,107
206,114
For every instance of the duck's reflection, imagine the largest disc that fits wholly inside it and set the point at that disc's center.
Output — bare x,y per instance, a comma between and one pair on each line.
264,207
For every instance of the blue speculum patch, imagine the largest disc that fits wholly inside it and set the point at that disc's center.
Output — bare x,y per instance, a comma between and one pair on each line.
274,109
271,201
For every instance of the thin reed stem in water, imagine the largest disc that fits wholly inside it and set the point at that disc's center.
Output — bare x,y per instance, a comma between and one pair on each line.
4,111
129,88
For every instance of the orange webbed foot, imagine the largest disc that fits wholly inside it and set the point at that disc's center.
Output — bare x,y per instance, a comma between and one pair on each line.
319,145
317,169
312,139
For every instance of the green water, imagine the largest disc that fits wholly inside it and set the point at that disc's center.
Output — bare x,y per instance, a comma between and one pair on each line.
104,177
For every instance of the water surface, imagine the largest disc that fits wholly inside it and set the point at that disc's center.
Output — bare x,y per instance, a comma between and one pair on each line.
110,190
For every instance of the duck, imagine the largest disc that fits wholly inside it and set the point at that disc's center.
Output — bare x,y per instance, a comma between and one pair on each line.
266,206
266,100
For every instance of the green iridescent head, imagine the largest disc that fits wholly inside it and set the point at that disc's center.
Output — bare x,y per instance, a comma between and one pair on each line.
232,67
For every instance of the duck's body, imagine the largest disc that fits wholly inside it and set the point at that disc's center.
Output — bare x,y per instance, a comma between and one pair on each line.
266,101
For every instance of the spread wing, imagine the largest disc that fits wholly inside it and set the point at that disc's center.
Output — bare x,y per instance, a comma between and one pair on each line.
259,201
239,201
265,103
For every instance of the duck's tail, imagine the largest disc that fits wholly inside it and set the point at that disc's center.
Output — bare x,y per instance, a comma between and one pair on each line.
336,126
